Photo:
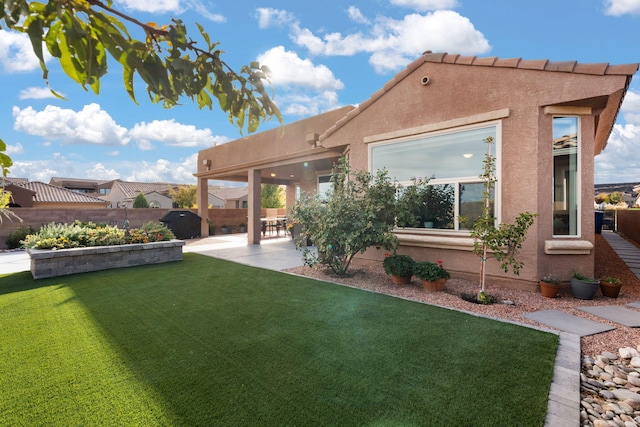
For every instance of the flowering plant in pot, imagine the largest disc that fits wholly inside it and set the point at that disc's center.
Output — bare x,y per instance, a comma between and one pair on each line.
610,286
399,267
433,276
583,287
550,286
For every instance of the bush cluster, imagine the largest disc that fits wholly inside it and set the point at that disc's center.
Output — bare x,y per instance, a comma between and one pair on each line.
78,234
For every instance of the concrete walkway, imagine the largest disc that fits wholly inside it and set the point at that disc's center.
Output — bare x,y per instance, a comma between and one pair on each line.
629,252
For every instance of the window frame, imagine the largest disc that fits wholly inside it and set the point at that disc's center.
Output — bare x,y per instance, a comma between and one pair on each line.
578,186
456,181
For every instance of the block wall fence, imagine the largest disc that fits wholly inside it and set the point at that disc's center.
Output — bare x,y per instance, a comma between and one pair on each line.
36,217
628,223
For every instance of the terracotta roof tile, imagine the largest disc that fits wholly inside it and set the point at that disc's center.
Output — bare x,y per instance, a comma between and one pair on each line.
564,66
597,69
623,69
465,60
46,193
533,64
450,59
507,62
486,61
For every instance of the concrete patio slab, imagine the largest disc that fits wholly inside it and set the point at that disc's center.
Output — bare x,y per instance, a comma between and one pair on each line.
615,313
634,304
568,322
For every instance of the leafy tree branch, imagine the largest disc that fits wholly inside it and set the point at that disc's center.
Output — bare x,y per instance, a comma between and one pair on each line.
81,34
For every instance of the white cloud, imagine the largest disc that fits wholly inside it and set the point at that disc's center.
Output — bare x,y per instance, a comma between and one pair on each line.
288,69
423,5
14,149
620,160
394,43
165,171
43,170
622,7
151,6
306,105
303,88
99,171
269,17
37,93
175,6
91,125
630,108
170,132
356,16
16,53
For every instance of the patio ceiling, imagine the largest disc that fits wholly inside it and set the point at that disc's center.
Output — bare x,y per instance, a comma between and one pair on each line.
280,171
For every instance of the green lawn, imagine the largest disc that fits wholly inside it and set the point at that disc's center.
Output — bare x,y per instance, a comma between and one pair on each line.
210,342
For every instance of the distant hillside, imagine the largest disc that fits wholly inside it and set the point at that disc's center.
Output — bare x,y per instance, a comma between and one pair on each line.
626,188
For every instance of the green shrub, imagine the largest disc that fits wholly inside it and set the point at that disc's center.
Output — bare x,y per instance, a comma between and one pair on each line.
77,234
14,240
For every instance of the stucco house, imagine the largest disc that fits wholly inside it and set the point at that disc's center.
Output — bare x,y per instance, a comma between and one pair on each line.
548,120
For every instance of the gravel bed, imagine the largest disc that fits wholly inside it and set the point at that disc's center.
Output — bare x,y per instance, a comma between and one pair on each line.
374,279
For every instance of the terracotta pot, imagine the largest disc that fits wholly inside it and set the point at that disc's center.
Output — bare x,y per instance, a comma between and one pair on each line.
610,290
401,280
434,285
549,290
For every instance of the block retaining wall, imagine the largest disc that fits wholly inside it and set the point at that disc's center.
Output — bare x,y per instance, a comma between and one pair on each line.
52,263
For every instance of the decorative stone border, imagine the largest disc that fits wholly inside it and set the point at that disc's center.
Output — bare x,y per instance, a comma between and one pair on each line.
52,263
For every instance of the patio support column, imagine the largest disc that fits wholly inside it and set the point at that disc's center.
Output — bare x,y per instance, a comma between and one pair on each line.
203,206
290,195
254,226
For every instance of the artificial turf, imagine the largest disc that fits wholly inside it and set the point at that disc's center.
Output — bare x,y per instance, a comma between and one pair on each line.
209,342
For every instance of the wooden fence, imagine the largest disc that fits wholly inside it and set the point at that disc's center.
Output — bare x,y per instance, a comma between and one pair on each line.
628,223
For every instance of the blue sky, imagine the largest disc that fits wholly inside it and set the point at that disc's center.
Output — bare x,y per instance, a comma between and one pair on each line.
323,55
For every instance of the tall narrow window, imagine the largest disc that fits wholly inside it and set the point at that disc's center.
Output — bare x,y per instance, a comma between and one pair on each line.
566,187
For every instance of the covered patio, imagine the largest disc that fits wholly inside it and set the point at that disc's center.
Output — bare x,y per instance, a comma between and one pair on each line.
290,155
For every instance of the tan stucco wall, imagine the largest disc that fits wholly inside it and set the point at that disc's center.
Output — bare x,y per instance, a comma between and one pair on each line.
456,92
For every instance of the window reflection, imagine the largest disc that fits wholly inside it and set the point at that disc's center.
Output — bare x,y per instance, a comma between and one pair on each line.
565,176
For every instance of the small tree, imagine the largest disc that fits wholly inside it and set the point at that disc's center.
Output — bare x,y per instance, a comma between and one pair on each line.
616,197
185,196
5,196
140,201
504,242
357,214
271,196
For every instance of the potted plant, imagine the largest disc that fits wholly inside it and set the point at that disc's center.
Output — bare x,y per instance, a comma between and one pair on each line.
243,227
433,276
225,229
550,286
610,286
399,267
583,287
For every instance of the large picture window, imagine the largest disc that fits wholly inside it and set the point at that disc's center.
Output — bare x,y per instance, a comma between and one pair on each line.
451,161
566,142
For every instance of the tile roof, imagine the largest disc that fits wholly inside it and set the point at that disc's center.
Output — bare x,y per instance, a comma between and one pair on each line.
232,193
45,193
132,189
10,180
536,64
445,58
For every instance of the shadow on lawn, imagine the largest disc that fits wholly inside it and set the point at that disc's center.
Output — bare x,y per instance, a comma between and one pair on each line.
219,343
22,281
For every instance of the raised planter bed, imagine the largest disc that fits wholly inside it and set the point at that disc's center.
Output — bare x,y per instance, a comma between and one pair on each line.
60,262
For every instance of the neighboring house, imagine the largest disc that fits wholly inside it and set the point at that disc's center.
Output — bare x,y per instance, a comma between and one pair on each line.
122,193
34,194
76,184
234,197
214,201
